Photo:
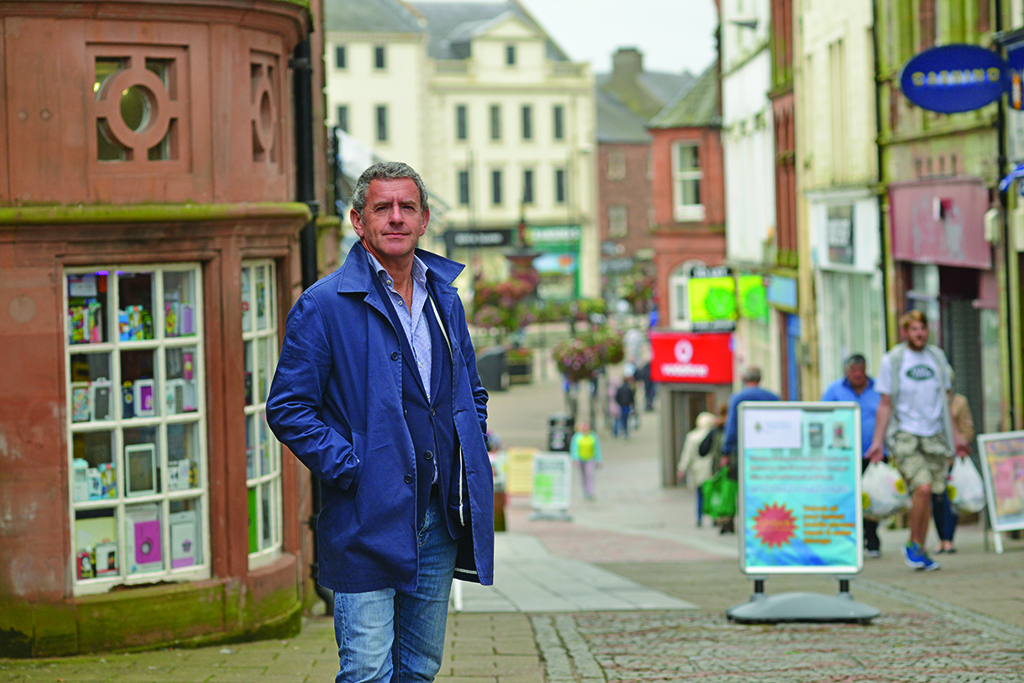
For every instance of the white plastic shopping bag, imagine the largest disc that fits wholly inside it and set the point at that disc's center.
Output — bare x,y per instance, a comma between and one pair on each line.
965,488
883,491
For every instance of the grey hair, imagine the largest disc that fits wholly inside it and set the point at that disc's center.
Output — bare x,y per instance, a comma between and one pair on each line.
386,170
855,359
752,374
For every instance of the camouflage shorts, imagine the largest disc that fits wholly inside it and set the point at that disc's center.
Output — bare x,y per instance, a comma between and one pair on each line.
921,460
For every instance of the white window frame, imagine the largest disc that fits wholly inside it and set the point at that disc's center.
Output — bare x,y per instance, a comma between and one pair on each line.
157,494
618,221
681,210
263,467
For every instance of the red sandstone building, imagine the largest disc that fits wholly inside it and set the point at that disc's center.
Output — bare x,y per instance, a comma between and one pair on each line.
149,251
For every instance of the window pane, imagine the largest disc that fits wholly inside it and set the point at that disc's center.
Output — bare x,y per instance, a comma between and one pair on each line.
135,299
464,188
382,124
687,158
690,191
93,469
558,124
186,542
527,122
339,57
179,303
144,539
495,122
96,544
88,308
183,456
528,186
461,124
496,187
379,57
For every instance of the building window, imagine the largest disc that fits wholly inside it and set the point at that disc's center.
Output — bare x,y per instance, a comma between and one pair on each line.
527,122
342,121
679,309
558,122
616,164
528,186
617,226
560,186
461,122
686,177
380,61
495,122
136,425
510,55
339,57
463,188
262,450
496,197
382,123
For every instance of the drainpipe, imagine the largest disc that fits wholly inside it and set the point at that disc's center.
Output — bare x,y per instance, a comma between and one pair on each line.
305,191
880,190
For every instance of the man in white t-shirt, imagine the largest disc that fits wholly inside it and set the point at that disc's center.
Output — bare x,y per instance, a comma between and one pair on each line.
913,416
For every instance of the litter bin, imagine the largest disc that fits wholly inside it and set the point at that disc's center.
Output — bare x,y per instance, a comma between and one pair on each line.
560,430
493,369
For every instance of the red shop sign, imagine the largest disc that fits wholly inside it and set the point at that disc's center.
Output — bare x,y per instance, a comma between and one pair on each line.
691,358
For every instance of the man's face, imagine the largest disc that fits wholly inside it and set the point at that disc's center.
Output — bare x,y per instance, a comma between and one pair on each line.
857,376
392,220
917,335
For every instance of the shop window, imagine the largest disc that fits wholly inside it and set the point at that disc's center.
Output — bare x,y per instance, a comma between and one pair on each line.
136,423
262,451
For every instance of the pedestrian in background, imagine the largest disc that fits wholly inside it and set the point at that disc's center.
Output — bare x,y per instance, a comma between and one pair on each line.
625,399
944,514
585,448
856,386
377,393
751,391
694,469
913,418
711,447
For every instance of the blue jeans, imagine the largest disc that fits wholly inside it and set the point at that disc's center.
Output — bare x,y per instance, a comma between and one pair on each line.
382,629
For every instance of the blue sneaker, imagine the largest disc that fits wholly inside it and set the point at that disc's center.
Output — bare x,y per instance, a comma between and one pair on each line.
917,558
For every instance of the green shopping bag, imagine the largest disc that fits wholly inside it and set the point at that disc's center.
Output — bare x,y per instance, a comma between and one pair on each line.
719,493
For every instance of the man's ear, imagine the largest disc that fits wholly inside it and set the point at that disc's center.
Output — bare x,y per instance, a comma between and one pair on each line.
357,221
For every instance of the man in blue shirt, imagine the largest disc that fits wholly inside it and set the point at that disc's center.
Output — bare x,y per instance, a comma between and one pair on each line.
856,386
750,392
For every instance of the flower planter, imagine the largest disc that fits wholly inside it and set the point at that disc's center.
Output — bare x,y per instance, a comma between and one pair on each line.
520,366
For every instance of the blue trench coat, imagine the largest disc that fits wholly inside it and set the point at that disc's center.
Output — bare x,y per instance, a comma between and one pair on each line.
335,402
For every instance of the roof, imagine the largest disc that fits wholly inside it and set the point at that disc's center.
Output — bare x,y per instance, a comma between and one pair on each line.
663,85
370,16
616,123
452,25
695,107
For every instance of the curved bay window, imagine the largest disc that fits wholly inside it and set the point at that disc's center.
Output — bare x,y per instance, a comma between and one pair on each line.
262,450
136,426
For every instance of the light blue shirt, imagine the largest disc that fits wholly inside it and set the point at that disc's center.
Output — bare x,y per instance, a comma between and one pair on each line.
868,399
413,322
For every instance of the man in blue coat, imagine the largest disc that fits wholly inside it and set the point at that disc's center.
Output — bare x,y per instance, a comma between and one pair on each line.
377,393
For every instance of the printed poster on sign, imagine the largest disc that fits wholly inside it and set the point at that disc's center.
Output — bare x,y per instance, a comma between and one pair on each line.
799,496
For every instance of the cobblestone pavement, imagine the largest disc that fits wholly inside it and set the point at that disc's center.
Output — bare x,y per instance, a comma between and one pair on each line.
684,646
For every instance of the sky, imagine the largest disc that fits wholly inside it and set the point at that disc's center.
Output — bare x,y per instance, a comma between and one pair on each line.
673,35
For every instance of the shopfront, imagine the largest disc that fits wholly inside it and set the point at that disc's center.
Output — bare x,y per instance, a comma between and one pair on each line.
148,255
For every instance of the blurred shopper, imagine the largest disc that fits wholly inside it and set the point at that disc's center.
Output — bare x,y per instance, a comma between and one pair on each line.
585,448
751,391
694,468
856,386
913,418
944,514
625,399
650,386
711,447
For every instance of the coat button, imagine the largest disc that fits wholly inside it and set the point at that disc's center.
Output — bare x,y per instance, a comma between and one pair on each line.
431,412
408,479
394,355
428,455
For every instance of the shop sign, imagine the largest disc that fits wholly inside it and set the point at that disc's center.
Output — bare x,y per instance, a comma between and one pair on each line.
782,292
473,239
954,78
691,358
553,235
712,299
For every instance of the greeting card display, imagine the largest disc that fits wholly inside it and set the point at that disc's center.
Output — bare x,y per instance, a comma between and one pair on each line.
81,410
144,543
145,401
140,467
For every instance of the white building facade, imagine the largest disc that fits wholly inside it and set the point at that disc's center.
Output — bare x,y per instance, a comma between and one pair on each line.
748,149
837,163
495,118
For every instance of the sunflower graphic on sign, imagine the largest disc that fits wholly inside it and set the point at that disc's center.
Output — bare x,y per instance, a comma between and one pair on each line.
774,525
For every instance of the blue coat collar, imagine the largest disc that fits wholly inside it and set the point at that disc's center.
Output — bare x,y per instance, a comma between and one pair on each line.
354,275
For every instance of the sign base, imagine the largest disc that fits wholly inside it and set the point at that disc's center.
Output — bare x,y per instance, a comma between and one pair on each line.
801,606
